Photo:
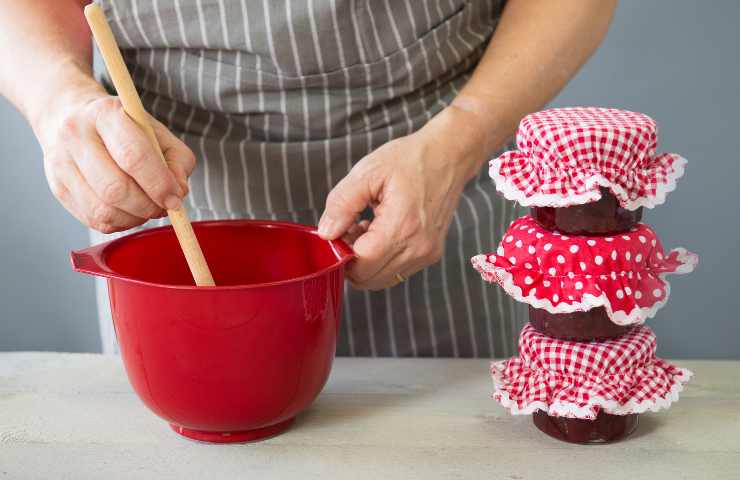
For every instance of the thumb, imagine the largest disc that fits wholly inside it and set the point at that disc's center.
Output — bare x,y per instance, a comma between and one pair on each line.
346,200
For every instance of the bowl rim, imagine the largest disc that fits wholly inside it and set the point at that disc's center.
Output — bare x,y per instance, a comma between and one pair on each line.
92,260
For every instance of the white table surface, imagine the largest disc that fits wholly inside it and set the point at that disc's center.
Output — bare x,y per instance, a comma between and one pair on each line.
74,416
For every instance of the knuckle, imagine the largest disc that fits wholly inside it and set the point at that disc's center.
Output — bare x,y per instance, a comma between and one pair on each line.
430,250
411,227
106,104
157,190
69,128
102,214
131,157
114,191
105,228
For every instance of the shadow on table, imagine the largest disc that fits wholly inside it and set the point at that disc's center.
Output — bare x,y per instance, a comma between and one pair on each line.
391,389
646,425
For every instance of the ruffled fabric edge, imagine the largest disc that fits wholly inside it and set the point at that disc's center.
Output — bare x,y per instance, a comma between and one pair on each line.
595,403
637,315
590,190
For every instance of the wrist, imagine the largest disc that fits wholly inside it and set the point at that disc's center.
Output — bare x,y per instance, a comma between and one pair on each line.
73,87
465,135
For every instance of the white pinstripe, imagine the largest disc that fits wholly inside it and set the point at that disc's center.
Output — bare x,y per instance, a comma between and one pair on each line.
306,131
219,103
180,24
369,95
443,260
409,129
499,300
479,36
247,121
137,21
464,277
460,252
201,99
328,133
224,26
283,145
117,19
501,235
206,170
480,248
391,93
464,264
348,147
428,114
227,132
202,22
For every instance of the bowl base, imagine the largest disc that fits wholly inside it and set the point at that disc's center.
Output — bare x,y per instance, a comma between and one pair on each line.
241,436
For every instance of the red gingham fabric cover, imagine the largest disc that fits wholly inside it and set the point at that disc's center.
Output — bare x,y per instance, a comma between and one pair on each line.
623,273
578,379
565,154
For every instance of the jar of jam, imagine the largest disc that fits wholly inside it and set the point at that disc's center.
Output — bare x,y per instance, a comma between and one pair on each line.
605,428
579,326
602,217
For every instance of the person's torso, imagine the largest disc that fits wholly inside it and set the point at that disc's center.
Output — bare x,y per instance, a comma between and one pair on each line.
279,98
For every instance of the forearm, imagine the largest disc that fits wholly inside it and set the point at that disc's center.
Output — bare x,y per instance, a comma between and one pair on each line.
46,54
537,48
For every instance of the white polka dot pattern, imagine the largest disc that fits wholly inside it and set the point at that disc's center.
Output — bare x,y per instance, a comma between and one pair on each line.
544,270
580,379
564,155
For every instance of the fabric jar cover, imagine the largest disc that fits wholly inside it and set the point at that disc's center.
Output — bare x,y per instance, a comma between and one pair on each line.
570,379
623,273
565,154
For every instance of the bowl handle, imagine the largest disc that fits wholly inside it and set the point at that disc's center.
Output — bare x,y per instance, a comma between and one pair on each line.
343,251
90,261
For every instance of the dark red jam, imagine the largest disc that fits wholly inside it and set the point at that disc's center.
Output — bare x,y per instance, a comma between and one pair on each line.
605,428
578,326
603,217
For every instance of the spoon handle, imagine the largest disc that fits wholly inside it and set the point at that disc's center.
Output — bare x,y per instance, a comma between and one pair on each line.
135,109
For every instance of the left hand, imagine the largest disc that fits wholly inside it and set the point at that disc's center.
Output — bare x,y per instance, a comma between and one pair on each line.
413,185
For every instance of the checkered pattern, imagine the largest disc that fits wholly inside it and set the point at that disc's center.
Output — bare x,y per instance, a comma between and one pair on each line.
578,379
564,155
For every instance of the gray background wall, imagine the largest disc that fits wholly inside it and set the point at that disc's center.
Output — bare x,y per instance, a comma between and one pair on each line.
677,61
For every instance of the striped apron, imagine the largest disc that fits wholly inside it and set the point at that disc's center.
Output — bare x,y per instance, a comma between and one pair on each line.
278,99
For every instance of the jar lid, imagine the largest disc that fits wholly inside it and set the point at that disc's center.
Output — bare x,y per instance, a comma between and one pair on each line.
572,379
565,154
623,273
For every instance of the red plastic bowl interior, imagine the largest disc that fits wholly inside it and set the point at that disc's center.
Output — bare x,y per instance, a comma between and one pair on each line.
238,253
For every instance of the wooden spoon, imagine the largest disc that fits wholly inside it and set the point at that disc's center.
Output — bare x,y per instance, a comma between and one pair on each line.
133,107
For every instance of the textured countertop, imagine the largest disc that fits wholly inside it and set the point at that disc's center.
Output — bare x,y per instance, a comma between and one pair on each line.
74,416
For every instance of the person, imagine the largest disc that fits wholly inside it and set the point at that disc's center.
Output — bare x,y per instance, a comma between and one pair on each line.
371,118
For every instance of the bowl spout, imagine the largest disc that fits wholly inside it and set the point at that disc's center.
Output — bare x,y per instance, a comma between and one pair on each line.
90,260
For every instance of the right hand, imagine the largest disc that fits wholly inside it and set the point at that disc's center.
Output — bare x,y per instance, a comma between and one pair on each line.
103,169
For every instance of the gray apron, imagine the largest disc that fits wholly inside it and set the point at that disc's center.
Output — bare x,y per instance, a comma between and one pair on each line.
278,99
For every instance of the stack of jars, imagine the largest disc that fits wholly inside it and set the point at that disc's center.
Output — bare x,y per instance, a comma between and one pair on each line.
590,272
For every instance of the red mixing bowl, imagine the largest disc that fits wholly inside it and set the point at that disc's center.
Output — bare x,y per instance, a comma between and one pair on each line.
238,361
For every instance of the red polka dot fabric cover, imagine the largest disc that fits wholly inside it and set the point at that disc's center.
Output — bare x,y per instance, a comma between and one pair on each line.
562,274
579,379
564,155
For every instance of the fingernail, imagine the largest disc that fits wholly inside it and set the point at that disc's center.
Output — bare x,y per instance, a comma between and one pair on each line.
326,227
172,202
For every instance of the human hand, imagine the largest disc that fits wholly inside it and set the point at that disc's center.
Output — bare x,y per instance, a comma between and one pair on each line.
101,166
413,185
